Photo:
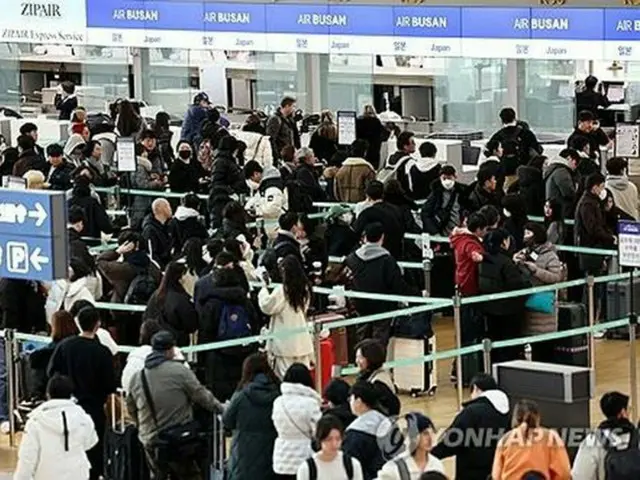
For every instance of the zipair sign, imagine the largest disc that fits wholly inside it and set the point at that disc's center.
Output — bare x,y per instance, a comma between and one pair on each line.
33,235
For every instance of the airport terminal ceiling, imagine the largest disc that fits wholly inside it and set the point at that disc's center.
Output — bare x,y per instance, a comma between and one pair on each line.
451,64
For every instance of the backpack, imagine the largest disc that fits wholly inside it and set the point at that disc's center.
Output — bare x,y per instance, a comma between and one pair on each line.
390,172
622,464
233,322
140,289
347,462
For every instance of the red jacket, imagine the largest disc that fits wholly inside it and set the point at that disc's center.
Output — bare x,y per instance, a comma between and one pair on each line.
464,243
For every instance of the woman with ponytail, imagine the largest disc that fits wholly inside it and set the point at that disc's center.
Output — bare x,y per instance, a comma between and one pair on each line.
530,447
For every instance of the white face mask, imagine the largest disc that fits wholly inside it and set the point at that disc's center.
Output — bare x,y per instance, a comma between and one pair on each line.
506,212
447,183
603,194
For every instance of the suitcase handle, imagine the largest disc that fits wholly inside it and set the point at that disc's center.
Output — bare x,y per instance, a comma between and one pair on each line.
112,400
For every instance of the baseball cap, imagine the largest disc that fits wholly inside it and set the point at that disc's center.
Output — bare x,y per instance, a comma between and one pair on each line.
163,341
201,97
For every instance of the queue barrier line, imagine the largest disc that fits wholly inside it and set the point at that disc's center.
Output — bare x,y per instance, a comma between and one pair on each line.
455,352
533,218
530,291
561,248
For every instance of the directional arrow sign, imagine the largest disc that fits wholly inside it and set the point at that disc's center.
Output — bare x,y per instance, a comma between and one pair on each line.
39,214
37,260
33,213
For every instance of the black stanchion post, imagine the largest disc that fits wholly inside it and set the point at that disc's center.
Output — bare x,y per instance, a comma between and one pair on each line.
9,360
486,355
592,320
633,325
457,323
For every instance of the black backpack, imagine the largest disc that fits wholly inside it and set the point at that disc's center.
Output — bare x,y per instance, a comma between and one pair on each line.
140,289
347,462
622,464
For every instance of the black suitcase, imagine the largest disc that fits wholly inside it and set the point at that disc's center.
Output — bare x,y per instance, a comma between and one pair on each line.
618,296
572,350
124,457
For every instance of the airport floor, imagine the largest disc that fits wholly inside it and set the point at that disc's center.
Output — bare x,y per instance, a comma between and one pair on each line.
612,373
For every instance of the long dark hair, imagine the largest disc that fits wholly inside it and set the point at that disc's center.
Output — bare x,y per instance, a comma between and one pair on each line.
253,365
192,253
171,279
297,289
162,123
556,212
129,121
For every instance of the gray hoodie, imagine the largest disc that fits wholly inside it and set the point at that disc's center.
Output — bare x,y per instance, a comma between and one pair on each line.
560,184
371,251
625,194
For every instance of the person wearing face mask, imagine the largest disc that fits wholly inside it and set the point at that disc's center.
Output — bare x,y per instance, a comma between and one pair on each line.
590,229
341,239
142,179
186,174
539,261
271,200
442,211
625,193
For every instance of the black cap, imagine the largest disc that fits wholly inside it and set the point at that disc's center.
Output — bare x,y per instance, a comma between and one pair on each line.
163,341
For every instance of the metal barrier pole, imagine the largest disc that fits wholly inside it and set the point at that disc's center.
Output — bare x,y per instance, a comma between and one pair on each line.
633,369
426,264
486,354
591,305
457,324
9,359
317,329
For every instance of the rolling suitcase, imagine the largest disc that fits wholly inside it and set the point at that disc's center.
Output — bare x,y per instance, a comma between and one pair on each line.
219,468
338,336
327,358
572,350
124,457
618,296
417,378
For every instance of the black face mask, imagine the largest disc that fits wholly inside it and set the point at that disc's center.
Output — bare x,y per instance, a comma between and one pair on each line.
184,154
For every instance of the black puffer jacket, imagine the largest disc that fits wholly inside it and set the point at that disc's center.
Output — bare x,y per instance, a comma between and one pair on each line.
498,273
226,171
530,186
185,224
157,240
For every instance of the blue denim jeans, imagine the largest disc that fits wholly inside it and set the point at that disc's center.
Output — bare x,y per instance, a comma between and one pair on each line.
4,408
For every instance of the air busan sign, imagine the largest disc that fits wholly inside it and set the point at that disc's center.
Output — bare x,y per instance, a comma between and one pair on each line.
47,21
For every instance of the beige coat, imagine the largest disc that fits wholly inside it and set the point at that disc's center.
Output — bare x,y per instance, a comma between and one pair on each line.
351,180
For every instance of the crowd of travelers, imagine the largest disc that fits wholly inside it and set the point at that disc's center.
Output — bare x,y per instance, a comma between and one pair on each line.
237,253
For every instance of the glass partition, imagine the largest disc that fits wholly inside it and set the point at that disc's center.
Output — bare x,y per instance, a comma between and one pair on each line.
468,92
167,83
350,82
277,75
104,76
9,75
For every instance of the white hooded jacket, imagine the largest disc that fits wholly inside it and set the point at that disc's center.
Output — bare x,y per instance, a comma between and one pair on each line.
258,147
295,414
49,450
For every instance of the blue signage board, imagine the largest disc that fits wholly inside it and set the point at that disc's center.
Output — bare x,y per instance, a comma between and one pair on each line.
33,235
110,18
441,22
482,22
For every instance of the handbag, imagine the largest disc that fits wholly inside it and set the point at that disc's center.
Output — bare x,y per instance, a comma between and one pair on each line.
542,302
175,443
